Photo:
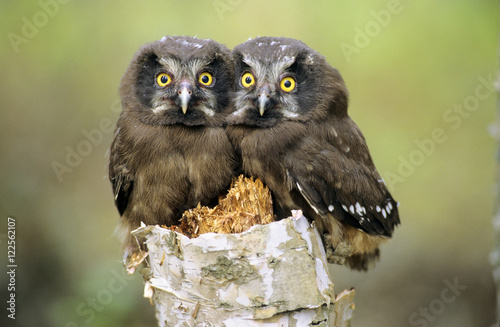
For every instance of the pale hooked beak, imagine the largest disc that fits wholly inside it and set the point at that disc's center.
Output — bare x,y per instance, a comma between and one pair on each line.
184,95
264,95
262,104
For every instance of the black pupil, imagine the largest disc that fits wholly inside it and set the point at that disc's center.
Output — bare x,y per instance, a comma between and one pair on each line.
164,79
205,79
288,84
248,80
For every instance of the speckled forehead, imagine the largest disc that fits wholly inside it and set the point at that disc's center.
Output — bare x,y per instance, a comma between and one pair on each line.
190,43
189,69
269,69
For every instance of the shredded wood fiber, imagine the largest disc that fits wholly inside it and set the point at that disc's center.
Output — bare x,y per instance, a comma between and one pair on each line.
247,203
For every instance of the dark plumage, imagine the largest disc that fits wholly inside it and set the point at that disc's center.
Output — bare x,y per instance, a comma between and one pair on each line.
170,151
291,129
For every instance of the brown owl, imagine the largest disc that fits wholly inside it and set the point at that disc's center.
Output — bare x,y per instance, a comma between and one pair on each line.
170,150
291,128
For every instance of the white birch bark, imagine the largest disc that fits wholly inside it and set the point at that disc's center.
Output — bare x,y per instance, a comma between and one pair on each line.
271,275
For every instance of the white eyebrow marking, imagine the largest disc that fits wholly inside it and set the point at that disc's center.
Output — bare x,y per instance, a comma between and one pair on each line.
170,63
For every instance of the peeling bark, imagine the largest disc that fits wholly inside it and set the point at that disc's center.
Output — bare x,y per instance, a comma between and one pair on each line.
273,275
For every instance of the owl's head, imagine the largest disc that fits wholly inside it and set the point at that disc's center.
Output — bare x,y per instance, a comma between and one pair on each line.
179,80
279,79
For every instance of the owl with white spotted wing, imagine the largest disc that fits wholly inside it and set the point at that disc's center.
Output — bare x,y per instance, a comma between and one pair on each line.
291,129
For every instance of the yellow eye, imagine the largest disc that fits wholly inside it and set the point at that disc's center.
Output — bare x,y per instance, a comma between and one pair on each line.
163,79
206,79
288,84
247,79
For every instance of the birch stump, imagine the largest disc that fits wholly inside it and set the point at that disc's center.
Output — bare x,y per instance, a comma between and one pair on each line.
268,275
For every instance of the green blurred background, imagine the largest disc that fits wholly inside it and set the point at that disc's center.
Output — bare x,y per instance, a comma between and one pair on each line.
419,75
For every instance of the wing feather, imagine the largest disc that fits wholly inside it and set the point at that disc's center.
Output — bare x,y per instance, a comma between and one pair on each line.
122,178
343,181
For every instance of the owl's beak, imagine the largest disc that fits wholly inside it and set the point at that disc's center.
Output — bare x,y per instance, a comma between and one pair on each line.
184,94
264,95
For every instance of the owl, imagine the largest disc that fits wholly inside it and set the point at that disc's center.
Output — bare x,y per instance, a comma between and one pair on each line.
291,129
170,150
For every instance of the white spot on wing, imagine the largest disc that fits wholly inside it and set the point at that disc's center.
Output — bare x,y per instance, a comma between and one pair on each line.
378,208
331,208
359,209
345,208
351,209
283,47
384,213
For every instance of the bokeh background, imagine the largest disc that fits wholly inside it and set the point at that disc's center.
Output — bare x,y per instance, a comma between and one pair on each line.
419,75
